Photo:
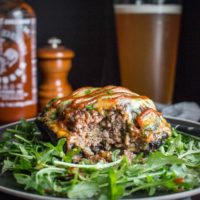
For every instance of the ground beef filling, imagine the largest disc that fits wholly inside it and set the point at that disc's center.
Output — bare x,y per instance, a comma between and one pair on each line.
98,134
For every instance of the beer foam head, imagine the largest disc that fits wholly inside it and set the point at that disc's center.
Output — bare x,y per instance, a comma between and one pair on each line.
147,9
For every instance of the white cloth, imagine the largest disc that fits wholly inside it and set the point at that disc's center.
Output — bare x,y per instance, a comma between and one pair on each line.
185,110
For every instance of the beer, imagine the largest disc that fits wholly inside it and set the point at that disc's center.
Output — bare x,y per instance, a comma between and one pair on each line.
147,42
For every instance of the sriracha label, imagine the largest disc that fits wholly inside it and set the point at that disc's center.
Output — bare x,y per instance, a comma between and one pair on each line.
17,62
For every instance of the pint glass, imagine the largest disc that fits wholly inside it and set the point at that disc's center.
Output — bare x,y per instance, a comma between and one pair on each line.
148,35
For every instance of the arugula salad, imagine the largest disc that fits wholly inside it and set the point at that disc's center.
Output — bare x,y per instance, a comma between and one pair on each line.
40,166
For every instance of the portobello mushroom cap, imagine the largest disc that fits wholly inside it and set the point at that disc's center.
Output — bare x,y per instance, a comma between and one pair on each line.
100,120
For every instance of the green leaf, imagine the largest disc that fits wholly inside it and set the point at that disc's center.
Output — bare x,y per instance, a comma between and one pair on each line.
44,157
110,92
23,164
70,154
152,191
88,91
116,190
103,196
60,145
83,190
115,155
158,159
90,107
23,179
7,165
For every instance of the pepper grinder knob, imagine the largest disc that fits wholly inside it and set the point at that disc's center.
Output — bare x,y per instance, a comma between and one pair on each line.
54,64
54,42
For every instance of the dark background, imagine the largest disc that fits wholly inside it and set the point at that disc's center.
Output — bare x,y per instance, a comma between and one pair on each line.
88,28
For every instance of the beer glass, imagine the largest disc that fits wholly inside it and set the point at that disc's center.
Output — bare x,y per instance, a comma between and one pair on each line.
148,35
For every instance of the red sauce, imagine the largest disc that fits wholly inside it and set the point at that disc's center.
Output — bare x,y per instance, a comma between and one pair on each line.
179,180
109,95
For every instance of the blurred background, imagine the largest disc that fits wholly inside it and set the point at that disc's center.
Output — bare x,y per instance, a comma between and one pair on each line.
88,28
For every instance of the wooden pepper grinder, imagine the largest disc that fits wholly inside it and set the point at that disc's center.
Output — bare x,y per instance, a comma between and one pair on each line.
54,64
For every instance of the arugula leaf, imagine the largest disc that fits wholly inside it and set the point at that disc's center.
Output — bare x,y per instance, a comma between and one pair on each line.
22,179
116,190
7,165
158,160
83,190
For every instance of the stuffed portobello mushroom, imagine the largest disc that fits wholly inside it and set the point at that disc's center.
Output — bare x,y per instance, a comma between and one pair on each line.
99,121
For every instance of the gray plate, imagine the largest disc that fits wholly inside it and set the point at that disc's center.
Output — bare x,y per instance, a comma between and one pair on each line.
9,186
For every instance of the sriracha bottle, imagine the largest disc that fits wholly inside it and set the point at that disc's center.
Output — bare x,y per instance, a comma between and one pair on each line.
18,89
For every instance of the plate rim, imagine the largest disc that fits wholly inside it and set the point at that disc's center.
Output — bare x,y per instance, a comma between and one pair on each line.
28,195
